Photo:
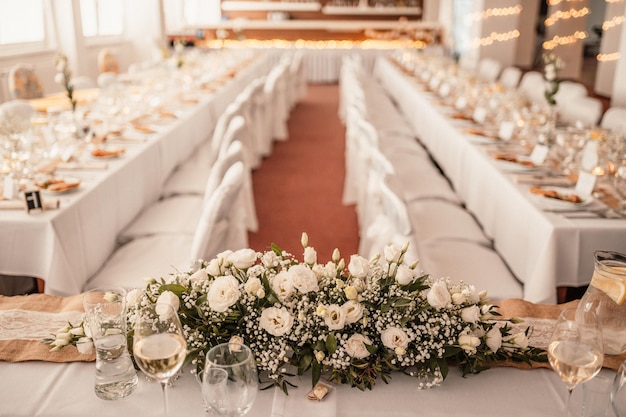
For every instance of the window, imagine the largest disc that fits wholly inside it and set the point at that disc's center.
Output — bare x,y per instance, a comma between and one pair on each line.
102,17
181,14
22,21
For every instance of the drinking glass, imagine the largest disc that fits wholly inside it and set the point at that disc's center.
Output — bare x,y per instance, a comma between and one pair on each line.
575,349
618,394
230,382
159,344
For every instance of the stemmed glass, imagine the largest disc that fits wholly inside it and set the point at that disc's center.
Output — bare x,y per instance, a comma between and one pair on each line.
575,350
159,344
230,381
618,394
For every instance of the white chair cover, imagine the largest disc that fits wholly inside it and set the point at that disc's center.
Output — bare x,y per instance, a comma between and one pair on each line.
570,90
614,119
581,110
277,111
510,77
488,69
532,85
106,80
82,82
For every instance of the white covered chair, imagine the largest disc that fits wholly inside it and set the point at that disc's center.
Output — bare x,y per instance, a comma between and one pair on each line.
159,255
510,77
488,69
106,80
533,86
581,110
297,78
83,82
614,119
570,90
180,214
472,263
277,111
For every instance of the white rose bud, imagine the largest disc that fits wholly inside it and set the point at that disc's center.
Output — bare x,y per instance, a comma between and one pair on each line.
319,356
351,292
458,298
469,342
84,345
243,258
336,255
304,240
405,275
400,351
213,268
133,296
493,339
310,255
321,310
358,266
234,342
392,254
341,265
252,286
77,331
169,298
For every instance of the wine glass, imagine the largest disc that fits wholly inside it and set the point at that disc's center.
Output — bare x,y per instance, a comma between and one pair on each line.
230,382
159,344
618,394
575,348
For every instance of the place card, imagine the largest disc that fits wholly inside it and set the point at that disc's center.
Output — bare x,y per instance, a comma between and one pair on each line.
539,154
506,130
33,200
585,184
589,156
318,392
479,115
9,189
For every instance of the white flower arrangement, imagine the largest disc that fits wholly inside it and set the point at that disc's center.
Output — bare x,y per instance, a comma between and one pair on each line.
353,324
552,64
64,77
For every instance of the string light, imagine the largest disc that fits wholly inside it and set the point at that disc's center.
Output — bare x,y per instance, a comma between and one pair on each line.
555,2
565,15
614,1
497,37
564,40
608,57
498,12
615,21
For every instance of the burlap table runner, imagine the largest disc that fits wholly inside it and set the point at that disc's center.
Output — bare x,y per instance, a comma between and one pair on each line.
27,319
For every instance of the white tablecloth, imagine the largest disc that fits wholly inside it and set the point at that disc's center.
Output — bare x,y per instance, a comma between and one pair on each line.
64,390
544,250
66,246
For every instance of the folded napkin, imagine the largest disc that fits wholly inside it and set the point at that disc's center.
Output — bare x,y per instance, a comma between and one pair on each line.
48,204
542,180
27,319
541,318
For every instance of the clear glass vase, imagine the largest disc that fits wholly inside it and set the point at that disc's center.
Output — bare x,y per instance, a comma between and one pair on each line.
606,297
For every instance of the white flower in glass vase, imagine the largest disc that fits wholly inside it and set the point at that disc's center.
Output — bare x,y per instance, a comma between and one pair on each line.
552,65
64,77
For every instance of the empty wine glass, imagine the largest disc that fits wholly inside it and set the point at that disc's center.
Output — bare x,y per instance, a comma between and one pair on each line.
575,349
159,344
230,382
618,394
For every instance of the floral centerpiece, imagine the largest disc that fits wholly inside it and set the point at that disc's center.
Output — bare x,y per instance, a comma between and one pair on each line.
552,64
64,77
354,324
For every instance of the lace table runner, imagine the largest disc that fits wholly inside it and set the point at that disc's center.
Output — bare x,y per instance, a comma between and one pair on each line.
34,325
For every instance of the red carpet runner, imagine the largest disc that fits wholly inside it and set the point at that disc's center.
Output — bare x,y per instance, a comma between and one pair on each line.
298,188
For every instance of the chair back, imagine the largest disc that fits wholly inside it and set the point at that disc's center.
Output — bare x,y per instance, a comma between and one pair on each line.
218,216
24,83
510,77
107,61
614,119
489,69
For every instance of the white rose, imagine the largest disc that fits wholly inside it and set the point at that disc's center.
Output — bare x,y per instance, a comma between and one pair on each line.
223,293
355,346
550,72
394,337
234,343
458,298
59,78
438,296
133,296
405,275
470,314
468,342
392,253
243,258
350,292
166,298
199,276
303,278
470,294
214,267
84,345
493,339
335,317
270,259
252,286
282,284
276,321
310,255
353,311
358,267
515,341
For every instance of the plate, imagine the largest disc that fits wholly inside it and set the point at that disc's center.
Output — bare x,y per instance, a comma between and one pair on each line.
58,185
102,153
510,162
558,198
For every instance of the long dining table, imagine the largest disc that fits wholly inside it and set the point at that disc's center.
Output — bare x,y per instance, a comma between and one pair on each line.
65,246
544,249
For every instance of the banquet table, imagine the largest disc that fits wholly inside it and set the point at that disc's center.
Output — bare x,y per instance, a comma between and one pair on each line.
49,390
545,250
66,246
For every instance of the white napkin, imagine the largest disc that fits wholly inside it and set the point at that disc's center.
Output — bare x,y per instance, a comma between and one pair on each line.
542,180
48,204
296,403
